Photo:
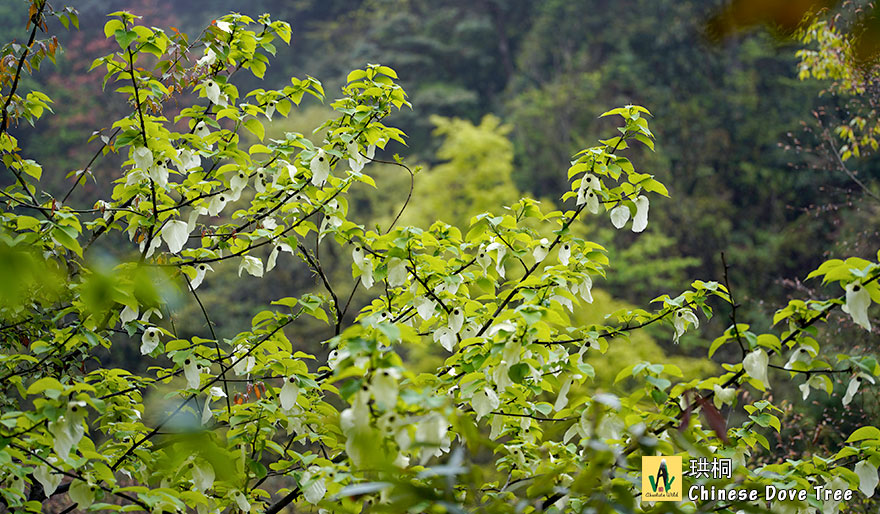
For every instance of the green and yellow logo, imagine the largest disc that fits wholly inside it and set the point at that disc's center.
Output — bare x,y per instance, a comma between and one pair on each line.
661,479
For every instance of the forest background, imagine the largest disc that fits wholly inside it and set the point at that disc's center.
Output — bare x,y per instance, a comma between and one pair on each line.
513,89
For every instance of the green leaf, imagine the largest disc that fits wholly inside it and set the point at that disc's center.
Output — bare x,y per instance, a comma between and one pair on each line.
45,384
255,127
864,433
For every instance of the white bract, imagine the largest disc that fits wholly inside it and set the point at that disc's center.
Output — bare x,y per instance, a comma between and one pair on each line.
273,255
619,216
564,253
320,167
868,478
640,221
47,477
356,161
682,319
723,395
485,401
192,372
252,265
214,93
143,158
854,385
201,270
81,493
149,340
175,233
816,382
857,302
755,365
540,251
289,393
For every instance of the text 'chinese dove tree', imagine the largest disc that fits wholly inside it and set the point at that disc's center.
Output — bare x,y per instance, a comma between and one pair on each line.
509,422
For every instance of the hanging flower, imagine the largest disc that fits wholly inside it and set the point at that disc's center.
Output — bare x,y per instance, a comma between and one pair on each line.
425,307
431,433
315,490
564,253
356,161
241,500
208,59
159,172
192,372
149,340
456,320
445,337
270,109
237,184
562,396
801,354
260,181
755,365
682,319
188,160
252,265
128,314
619,216
584,288
175,234
320,167
367,272
47,477
857,302
216,205
214,93
640,221
396,272
213,393
816,382
853,386
868,480
485,401
201,270
723,395
143,158
243,362
201,130
289,393
541,250
273,255
384,387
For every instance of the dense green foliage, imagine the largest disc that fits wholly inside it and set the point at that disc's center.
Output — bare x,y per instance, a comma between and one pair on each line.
245,318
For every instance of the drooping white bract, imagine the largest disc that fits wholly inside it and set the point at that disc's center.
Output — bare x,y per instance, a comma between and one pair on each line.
214,93
260,180
456,320
445,337
723,395
356,161
619,216
425,307
485,401
320,167
208,59
128,314
564,253
273,255
192,372
252,265
541,251
396,272
189,160
270,109
289,393
800,354
384,388
241,500
853,386
500,251
237,184
217,204
640,221
149,340
868,479
47,477
143,158
816,382
202,131
175,234
68,430
367,272
431,433
243,362
584,289
213,393
201,270
857,302
315,490
159,172
755,366
224,26
682,319
562,396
